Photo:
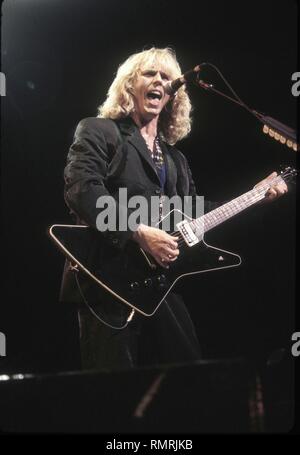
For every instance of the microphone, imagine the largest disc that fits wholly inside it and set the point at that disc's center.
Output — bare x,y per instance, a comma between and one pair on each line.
171,87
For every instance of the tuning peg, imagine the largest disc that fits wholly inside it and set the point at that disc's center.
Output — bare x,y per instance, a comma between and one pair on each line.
288,173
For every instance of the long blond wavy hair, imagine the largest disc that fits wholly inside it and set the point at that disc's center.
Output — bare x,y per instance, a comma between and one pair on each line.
175,120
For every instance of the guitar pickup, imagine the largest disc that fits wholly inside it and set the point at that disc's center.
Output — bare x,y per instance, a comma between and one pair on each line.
187,233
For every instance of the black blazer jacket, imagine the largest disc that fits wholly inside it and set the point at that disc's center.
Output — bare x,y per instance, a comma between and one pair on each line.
100,161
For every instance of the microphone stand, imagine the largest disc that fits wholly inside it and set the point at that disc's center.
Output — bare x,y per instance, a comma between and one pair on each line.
271,126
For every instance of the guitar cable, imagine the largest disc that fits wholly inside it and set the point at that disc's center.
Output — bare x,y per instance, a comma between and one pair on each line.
96,315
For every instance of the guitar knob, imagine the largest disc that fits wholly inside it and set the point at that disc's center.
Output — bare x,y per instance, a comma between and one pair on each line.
148,282
134,286
161,279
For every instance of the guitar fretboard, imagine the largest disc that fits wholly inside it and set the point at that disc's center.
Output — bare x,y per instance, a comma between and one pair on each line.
232,208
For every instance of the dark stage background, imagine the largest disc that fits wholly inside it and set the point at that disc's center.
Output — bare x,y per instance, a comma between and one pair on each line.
59,58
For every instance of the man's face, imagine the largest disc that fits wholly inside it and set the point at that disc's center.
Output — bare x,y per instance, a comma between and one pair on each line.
149,93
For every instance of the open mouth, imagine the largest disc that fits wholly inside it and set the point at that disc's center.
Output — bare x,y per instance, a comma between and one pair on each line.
154,95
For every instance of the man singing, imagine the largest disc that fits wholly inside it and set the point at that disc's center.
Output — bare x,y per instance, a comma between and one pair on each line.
131,144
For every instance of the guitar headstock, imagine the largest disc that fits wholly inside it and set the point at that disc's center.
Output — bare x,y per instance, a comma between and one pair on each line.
288,173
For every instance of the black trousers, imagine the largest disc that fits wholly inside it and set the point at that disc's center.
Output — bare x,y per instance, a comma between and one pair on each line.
166,337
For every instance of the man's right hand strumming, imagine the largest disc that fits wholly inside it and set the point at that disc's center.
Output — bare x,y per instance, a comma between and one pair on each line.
162,246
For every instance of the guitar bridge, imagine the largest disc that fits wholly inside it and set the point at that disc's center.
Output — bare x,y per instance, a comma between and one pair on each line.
187,233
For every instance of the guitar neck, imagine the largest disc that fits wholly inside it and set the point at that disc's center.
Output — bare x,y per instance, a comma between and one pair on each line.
232,208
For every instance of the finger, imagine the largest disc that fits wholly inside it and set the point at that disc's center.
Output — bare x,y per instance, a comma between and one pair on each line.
172,244
271,191
271,194
271,176
170,252
281,189
173,259
162,262
262,182
172,239
168,259
277,191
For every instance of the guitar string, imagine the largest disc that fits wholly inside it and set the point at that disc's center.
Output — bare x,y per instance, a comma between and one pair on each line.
228,208
217,218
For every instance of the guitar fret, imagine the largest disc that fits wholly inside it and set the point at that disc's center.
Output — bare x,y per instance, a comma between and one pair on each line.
230,209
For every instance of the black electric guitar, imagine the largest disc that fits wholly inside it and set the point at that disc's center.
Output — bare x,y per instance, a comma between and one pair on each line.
133,276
